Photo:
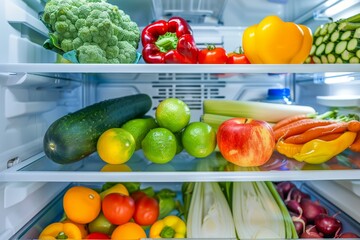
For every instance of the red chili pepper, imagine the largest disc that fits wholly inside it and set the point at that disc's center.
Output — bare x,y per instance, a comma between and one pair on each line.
212,55
237,57
169,42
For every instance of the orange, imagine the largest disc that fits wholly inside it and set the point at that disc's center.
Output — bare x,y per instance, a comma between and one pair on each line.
116,146
129,230
81,204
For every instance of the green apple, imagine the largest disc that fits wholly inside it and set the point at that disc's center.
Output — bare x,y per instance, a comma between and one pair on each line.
101,224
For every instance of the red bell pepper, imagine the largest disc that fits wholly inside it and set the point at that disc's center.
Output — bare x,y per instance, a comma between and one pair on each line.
169,42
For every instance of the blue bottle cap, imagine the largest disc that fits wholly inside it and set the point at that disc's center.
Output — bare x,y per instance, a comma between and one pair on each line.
278,92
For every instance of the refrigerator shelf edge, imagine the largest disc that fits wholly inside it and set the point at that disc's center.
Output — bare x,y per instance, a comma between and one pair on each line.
181,169
178,68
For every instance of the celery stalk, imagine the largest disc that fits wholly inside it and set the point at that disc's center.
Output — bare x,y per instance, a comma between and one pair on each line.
269,112
214,120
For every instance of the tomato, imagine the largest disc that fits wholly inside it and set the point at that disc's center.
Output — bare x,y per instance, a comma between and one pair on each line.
118,208
146,210
237,58
212,55
137,195
97,235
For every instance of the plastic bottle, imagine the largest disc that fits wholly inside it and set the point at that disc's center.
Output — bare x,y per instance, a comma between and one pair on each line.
278,95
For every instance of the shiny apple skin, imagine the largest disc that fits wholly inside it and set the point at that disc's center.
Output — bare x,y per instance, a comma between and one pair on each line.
246,142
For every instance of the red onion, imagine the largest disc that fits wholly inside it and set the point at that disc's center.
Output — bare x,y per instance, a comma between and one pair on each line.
328,225
294,206
311,232
283,188
299,222
311,209
297,195
348,235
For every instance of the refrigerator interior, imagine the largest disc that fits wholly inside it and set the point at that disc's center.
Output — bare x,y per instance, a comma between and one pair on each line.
35,91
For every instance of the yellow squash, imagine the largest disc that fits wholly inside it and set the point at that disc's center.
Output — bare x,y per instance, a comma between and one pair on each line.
273,41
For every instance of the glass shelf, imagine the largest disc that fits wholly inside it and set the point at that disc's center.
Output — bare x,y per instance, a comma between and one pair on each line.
176,68
182,168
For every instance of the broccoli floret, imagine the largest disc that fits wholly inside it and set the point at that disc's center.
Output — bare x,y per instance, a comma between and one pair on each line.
99,31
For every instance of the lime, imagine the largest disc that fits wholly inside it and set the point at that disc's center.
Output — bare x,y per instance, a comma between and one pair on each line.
173,114
159,145
199,139
139,127
179,146
116,146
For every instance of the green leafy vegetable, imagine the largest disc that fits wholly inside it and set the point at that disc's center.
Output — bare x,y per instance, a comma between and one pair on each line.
98,31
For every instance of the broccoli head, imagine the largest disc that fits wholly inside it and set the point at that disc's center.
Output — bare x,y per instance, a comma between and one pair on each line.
99,31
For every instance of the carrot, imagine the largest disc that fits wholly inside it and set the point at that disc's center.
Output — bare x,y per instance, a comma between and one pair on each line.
298,127
289,120
355,146
354,126
315,132
330,137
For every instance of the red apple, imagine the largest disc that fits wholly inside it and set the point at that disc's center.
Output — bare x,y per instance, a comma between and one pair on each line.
246,142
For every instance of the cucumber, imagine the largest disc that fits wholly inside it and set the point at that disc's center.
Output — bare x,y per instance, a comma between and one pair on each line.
335,36
74,136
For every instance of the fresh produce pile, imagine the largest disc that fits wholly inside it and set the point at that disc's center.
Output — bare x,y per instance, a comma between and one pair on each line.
200,210
310,217
116,128
172,41
117,211
246,133
315,138
337,42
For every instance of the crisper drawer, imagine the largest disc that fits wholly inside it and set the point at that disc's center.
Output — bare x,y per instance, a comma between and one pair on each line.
54,210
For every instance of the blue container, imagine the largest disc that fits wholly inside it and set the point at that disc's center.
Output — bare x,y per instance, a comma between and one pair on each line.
279,95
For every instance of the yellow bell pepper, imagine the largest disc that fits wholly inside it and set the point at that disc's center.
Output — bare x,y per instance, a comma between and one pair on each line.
117,188
169,227
60,230
318,151
288,149
273,41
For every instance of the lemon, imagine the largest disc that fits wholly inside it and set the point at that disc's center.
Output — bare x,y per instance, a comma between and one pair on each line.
116,146
139,127
173,114
159,145
199,139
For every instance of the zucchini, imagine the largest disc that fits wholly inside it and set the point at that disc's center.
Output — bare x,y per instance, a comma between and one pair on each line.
74,136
